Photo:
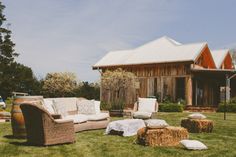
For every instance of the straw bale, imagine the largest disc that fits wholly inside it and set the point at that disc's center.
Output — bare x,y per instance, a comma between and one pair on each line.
169,136
197,125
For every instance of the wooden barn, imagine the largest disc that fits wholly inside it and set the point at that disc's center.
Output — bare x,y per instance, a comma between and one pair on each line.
171,70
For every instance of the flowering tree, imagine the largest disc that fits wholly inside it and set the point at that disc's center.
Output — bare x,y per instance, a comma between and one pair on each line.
116,83
59,84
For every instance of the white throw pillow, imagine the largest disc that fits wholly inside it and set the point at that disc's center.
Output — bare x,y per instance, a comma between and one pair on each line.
60,109
86,107
97,107
193,144
196,116
156,123
146,104
48,105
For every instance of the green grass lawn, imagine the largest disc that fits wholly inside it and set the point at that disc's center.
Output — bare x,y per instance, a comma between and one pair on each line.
222,142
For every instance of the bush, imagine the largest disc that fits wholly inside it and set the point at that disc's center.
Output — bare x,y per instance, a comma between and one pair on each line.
229,107
171,107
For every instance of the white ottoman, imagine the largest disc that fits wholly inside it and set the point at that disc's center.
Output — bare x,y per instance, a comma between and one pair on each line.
129,127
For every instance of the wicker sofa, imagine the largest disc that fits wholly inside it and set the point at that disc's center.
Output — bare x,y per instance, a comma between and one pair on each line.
43,129
86,114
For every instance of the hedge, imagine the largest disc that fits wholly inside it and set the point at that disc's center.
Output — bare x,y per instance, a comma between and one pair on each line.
171,107
229,108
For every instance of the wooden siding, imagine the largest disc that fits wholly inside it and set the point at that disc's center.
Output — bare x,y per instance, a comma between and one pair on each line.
154,80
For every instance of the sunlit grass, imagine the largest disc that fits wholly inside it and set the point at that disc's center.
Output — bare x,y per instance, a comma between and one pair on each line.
94,143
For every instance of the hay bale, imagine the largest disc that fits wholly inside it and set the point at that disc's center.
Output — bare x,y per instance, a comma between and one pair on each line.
169,136
197,125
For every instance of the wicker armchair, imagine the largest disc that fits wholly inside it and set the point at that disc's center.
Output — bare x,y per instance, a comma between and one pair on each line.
43,129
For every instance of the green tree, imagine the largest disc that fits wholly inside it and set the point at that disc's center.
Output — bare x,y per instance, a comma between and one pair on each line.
59,84
88,90
118,84
7,56
13,76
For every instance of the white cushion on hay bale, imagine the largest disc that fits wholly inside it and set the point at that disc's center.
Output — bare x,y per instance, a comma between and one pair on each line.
156,123
197,116
193,145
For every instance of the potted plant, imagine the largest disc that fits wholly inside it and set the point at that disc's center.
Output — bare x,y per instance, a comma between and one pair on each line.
117,109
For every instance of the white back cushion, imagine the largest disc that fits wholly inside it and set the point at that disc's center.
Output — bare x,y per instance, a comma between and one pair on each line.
146,104
97,107
68,103
48,105
193,144
86,107
60,109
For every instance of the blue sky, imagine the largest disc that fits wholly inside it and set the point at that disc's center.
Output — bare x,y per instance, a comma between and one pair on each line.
72,35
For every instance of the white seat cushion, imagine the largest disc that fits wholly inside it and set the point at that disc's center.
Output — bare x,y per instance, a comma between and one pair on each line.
78,118
142,115
48,105
193,144
146,104
98,116
197,116
156,123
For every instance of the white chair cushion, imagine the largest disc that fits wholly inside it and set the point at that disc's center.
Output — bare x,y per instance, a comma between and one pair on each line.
97,107
98,116
86,107
48,105
146,104
156,123
196,116
193,144
142,115
77,118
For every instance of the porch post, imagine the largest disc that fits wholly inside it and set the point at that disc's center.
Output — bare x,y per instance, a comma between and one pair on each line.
188,90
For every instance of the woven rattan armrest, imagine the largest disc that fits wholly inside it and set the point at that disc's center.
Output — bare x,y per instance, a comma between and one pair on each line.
63,121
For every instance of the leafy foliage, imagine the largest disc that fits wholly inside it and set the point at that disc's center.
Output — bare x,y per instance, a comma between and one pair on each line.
59,84
88,90
117,82
13,76
171,107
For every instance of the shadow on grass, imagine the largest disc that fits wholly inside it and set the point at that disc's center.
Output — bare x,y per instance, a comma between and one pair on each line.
13,137
22,144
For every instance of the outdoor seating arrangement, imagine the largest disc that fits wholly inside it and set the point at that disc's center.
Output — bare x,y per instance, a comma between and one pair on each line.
86,114
197,123
43,129
145,107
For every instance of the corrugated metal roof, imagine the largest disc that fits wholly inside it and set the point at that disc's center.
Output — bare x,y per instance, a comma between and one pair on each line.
219,56
161,50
